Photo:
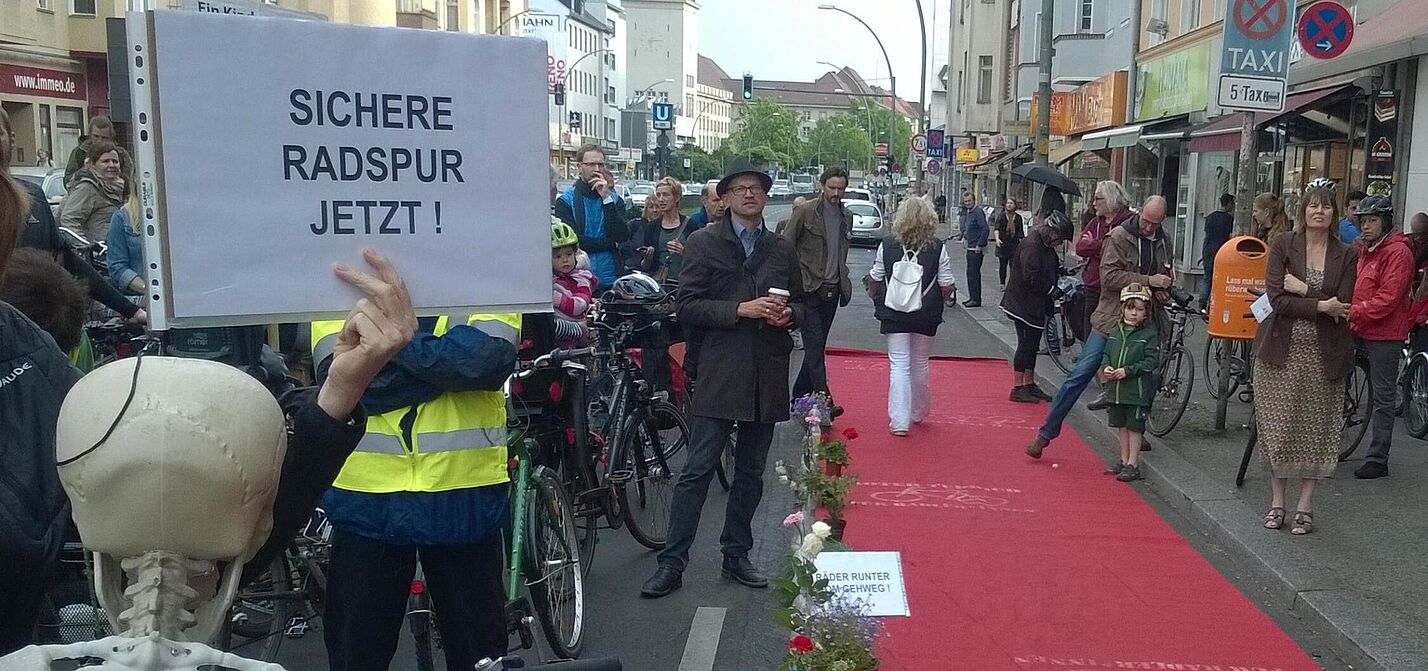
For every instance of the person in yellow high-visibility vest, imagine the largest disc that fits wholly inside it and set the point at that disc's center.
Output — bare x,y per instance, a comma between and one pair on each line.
428,481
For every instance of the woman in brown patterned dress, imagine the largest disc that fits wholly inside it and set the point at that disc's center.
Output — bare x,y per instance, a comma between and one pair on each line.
1305,351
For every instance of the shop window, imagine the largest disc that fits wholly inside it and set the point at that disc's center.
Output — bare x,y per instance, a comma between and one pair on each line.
85,7
69,126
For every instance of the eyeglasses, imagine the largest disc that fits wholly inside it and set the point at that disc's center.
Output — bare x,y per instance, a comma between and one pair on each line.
747,190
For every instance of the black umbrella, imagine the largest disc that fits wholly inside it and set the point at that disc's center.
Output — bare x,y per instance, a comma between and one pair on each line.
1044,175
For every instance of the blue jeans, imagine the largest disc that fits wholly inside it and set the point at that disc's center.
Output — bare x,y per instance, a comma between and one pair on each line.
1091,352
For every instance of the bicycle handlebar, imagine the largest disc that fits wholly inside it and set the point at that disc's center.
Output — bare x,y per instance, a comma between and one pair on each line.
602,664
554,358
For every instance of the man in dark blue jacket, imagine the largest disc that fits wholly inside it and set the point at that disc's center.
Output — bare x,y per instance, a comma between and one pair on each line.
975,231
711,208
597,214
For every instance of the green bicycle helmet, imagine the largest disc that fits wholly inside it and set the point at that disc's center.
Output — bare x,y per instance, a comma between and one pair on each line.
562,235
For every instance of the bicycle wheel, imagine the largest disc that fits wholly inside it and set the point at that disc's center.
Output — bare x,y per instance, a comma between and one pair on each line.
422,626
1221,352
1249,448
260,614
1173,396
552,565
1358,408
1415,388
651,456
1061,342
724,468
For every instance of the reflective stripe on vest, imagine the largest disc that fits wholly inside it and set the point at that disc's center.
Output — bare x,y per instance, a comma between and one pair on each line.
457,440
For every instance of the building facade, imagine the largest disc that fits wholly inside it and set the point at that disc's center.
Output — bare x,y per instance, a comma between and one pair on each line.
663,52
714,119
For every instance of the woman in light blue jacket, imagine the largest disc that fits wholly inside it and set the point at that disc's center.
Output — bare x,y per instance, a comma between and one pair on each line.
125,255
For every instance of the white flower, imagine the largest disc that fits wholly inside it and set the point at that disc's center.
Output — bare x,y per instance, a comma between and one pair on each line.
812,545
822,530
780,468
784,479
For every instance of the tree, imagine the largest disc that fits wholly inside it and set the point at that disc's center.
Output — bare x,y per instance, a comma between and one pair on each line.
768,131
702,165
883,126
838,140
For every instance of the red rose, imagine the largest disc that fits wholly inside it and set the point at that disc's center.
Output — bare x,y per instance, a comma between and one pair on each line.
827,437
800,644
850,433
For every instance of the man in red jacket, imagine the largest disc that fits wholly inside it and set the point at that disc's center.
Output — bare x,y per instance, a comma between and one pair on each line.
1380,318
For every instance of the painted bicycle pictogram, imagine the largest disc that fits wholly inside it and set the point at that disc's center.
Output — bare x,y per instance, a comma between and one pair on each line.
939,495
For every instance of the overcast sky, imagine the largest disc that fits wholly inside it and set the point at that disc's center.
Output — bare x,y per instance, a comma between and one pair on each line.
785,39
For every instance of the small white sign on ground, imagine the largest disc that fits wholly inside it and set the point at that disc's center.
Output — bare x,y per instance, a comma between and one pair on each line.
873,577
269,150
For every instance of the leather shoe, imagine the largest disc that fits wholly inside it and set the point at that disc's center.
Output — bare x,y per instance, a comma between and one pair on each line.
836,411
1037,445
971,304
1040,393
1371,470
742,570
1101,403
664,581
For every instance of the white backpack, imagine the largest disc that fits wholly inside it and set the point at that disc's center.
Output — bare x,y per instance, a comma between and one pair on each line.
904,292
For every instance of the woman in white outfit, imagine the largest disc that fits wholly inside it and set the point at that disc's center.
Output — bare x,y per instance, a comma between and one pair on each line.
910,334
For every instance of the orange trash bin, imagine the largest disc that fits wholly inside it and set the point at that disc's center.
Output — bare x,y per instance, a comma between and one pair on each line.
1240,265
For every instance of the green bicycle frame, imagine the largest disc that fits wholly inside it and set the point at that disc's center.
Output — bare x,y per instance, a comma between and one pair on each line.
516,444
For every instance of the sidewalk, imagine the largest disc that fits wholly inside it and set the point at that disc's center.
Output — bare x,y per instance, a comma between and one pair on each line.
1357,579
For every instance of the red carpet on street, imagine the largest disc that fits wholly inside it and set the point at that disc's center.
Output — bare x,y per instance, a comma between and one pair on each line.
1027,565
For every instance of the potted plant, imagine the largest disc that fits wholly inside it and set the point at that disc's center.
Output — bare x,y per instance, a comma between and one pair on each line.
831,492
826,632
832,454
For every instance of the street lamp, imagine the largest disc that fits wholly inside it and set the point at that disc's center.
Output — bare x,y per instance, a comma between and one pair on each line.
509,19
641,91
921,118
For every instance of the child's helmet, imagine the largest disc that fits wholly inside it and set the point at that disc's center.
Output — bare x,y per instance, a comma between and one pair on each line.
1135,290
562,235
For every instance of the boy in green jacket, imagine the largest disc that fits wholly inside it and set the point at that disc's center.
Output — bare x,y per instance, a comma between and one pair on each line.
1132,355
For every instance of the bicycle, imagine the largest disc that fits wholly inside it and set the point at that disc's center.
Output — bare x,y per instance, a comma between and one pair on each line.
646,433
543,542
1358,407
1176,372
1062,343
1238,355
1411,402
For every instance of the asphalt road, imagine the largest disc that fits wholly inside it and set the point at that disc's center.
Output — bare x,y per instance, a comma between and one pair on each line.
652,635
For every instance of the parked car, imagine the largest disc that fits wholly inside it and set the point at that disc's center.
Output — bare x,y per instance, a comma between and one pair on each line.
857,194
639,193
867,221
780,188
50,180
692,188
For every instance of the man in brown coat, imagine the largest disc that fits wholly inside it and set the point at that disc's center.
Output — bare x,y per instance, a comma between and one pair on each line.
1133,252
730,267
820,230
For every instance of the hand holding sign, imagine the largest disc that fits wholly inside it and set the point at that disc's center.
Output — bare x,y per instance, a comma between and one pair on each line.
378,327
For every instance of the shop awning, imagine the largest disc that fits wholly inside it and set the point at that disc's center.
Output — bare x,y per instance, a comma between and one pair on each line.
1223,133
1399,32
1067,151
1125,136
995,161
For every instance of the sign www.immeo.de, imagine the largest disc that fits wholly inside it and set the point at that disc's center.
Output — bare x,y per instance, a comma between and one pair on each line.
429,146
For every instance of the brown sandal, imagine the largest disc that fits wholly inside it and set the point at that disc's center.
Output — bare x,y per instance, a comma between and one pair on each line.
1275,518
1303,523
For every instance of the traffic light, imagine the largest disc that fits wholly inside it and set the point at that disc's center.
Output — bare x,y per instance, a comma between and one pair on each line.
574,121
748,86
560,94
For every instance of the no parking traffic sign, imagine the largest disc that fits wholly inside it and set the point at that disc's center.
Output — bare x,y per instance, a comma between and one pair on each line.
1326,30
1254,65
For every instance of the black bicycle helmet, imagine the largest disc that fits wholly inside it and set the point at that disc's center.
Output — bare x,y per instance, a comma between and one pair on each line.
1379,206
1060,224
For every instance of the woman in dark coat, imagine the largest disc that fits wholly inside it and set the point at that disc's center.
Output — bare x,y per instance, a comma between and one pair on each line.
1027,300
910,334
1008,230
